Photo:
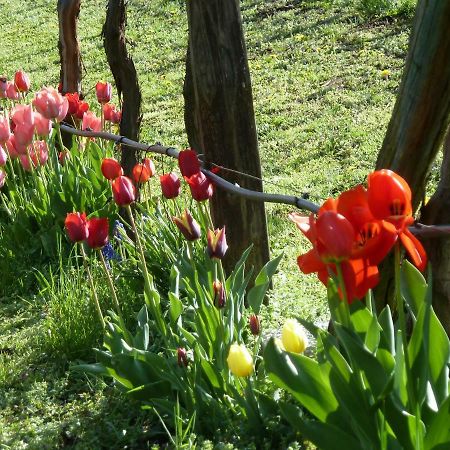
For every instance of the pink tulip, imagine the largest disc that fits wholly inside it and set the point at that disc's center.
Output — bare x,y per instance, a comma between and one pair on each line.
22,81
5,131
11,92
3,156
91,122
42,124
51,104
25,161
12,148
40,149
111,114
2,178
23,118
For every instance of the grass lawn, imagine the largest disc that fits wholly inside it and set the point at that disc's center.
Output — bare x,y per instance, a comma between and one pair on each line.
322,104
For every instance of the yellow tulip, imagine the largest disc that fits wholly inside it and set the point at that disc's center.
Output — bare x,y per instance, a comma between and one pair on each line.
240,361
293,337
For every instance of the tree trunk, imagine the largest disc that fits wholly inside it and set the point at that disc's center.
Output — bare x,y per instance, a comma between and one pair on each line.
437,211
125,76
420,117
220,120
69,52
421,113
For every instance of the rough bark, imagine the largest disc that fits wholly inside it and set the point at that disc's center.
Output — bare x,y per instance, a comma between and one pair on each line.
421,113
220,120
420,118
69,51
437,211
125,77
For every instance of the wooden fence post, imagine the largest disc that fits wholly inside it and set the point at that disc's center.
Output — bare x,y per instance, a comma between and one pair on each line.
220,120
69,51
125,76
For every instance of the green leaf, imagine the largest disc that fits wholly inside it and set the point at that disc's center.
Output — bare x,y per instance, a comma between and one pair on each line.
324,435
413,287
387,336
304,379
150,391
256,294
176,307
438,431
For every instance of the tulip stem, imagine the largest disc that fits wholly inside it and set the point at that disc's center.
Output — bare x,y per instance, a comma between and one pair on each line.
341,283
149,289
110,284
58,133
93,290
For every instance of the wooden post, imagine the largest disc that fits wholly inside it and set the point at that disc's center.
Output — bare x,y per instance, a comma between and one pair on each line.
421,113
416,131
125,76
220,120
69,52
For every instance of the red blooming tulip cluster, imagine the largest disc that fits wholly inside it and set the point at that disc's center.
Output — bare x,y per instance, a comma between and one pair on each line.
357,230
201,187
94,231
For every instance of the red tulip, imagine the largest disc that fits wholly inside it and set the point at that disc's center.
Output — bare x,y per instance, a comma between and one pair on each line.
188,226
182,357
188,162
111,168
103,91
22,81
389,198
201,187
111,114
141,174
150,165
217,243
74,101
170,185
51,104
83,107
98,230
76,226
124,191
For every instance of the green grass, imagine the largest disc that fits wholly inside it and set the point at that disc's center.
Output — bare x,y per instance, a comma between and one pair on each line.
322,108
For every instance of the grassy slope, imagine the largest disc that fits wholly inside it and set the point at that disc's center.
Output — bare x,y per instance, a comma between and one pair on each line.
322,108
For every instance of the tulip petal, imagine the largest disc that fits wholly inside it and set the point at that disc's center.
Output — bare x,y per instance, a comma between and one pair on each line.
414,248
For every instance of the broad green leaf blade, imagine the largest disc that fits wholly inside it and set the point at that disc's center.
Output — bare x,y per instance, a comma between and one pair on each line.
324,435
262,282
413,287
438,431
303,378
387,340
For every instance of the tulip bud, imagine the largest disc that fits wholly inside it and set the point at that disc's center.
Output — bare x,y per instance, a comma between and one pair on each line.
62,156
111,168
103,91
141,174
217,243
294,337
255,324
170,185
12,93
201,187
5,131
3,156
182,357
76,226
188,162
219,294
22,81
98,231
124,191
240,361
188,226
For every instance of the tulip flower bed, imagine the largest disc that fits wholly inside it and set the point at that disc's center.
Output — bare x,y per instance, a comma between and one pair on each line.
195,355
